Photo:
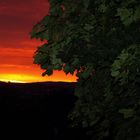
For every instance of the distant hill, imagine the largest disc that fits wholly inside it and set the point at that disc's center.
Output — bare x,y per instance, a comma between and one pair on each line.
36,97
41,108
37,88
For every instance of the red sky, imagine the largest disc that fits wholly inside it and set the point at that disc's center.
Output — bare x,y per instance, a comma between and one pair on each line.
16,48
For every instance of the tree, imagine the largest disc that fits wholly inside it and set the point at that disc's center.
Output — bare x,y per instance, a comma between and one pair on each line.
100,41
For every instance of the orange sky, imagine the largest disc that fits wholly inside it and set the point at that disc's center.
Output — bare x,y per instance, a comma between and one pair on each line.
16,48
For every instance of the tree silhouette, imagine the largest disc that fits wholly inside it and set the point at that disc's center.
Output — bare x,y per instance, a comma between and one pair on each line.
100,41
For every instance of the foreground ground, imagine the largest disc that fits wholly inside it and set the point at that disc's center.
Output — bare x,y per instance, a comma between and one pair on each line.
38,110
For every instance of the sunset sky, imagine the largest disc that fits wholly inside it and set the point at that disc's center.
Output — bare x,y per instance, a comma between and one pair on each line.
16,48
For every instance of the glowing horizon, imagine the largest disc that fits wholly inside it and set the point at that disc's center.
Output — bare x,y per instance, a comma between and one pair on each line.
21,78
11,81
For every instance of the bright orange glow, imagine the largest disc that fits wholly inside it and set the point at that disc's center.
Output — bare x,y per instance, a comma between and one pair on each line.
15,78
22,78
16,47
12,81
28,78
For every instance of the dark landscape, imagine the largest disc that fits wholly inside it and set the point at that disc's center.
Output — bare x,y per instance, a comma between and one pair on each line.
38,110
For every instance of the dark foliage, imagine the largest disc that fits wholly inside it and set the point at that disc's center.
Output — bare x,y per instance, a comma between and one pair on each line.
100,40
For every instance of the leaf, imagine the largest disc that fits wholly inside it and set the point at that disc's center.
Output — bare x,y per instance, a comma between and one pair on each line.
86,3
103,8
75,62
125,15
127,112
57,67
44,66
115,73
67,68
87,72
137,13
72,70
88,27
45,36
85,124
48,72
